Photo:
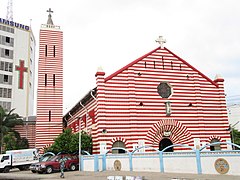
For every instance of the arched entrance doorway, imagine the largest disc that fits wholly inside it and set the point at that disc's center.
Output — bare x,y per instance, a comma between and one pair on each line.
165,142
118,144
215,147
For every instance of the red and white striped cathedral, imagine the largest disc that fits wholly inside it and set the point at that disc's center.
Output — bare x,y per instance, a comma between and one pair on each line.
157,100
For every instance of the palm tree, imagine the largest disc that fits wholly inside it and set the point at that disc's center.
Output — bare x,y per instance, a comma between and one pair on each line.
8,120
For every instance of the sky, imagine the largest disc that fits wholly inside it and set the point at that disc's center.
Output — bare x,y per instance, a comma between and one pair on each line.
113,33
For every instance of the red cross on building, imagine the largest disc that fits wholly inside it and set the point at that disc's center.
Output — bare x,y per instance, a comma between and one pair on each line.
21,70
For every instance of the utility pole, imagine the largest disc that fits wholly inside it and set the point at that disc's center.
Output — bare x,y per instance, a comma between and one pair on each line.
1,124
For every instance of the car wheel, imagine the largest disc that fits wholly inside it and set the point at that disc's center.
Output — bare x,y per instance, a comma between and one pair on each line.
49,170
6,170
33,171
73,167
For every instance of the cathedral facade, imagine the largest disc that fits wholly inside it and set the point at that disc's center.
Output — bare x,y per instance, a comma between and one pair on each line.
157,100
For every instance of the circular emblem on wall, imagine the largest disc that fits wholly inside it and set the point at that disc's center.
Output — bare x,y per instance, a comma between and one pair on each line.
221,166
117,165
164,89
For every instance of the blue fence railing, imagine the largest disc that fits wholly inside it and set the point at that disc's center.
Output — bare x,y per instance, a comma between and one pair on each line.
197,153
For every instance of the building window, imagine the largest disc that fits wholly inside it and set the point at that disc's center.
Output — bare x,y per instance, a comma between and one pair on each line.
6,105
45,79
7,39
10,68
54,49
5,93
9,93
9,79
49,116
164,89
6,52
45,50
168,108
5,78
2,65
6,66
1,92
53,79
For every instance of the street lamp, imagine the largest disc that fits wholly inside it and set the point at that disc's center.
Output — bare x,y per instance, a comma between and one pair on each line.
1,125
79,138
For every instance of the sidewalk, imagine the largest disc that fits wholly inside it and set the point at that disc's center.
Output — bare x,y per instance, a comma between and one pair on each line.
150,176
76,175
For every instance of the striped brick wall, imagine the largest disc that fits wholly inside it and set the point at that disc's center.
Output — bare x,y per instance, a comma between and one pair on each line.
28,130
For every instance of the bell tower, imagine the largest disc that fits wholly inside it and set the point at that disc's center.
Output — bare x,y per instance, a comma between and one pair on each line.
50,84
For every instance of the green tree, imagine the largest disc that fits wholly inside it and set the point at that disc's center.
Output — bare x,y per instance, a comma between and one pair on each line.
235,136
8,120
11,140
69,142
86,142
22,143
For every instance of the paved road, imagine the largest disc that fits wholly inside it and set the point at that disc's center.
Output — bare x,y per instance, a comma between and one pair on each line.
76,175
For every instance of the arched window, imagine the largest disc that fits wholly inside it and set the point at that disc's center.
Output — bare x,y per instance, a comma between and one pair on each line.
118,144
215,147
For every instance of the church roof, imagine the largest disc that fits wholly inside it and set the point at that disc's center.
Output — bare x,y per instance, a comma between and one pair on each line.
159,53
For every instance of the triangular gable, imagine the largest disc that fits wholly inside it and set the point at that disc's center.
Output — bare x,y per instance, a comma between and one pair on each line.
155,51
189,65
129,65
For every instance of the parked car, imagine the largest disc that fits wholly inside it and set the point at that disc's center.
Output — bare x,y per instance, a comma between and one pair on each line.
43,158
52,164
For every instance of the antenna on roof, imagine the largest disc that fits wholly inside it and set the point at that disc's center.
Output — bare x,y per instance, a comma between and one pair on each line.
9,11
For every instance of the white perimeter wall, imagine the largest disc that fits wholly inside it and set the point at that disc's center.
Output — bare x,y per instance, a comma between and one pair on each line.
172,164
208,165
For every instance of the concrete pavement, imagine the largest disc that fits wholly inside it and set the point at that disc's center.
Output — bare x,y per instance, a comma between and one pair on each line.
76,175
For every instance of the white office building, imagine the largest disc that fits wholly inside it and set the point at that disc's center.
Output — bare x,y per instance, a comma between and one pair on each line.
17,67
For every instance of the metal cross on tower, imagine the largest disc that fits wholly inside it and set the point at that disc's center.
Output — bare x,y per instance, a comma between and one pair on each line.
161,41
50,21
50,11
